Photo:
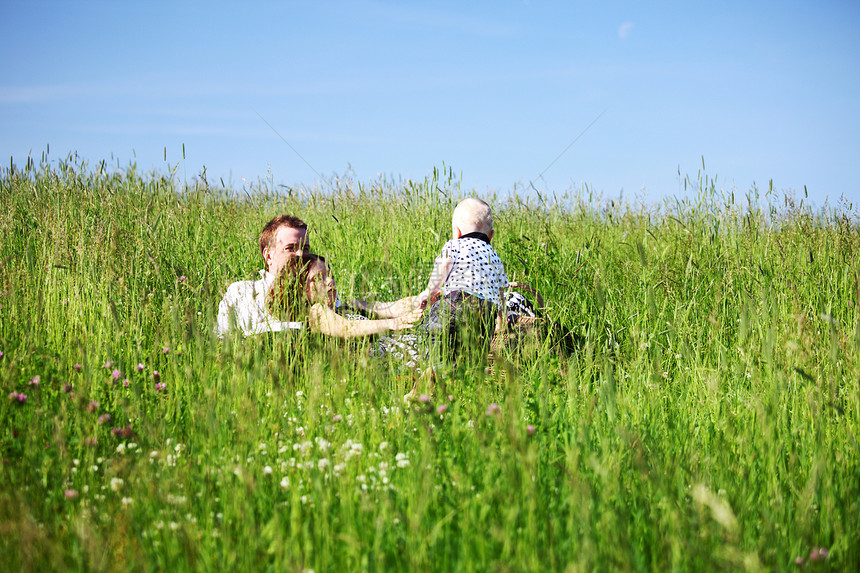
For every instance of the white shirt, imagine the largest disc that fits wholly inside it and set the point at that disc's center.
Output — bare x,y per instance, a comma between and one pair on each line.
475,268
244,306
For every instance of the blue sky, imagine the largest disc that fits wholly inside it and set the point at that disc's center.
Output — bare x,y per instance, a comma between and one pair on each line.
495,90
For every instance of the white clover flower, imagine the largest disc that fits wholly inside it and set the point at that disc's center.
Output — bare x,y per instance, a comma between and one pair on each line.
323,463
171,460
127,501
120,449
267,471
116,483
382,446
285,482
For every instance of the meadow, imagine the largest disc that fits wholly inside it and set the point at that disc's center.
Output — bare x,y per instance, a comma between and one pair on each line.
695,407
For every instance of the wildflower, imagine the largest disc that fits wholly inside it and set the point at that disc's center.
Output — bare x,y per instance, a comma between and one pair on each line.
267,471
798,560
165,350
108,364
116,483
67,387
125,383
182,278
92,406
91,441
441,409
71,493
382,446
530,430
77,367
401,460
1,354
424,398
20,396
120,449
156,375
139,367
34,381
337,418
126,432
323,464
450,397
116,374
127,501
493,409
104,418
159,386
285,482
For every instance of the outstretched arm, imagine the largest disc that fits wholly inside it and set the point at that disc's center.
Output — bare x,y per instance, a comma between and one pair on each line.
324,320
391,309
441,269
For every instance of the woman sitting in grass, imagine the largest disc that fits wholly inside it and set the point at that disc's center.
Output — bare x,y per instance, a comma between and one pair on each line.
304,291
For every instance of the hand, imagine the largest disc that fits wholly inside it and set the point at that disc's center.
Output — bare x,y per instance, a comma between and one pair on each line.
407,320
420,299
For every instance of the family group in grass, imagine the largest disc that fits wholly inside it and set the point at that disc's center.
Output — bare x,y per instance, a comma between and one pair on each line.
462,307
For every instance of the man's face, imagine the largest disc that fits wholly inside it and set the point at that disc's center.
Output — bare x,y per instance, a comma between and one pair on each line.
289,242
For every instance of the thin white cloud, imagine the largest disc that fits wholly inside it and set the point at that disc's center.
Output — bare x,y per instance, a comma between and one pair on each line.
624,30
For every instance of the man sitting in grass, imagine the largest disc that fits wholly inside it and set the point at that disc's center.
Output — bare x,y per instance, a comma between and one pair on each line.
244,306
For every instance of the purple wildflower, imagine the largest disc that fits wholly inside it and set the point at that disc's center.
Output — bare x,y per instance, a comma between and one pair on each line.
125,383
1,354
34,381
92,406
104,418
165,350
798,560
67,387
156,375
424,398
108,364
337,418
139,367
441,409
71,493
159,386
530,430
91,441
493,409
126,432
182,278
116,374
77,367
13,396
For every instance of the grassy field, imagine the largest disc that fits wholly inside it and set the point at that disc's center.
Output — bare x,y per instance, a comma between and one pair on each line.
706,418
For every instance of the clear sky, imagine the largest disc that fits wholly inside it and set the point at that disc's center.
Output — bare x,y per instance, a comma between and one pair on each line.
496,90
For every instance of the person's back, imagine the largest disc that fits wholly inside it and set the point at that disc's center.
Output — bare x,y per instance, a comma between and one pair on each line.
466,282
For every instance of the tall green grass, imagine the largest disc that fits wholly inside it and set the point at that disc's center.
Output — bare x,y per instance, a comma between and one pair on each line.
705,418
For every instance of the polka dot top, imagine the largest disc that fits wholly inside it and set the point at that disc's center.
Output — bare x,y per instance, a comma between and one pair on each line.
477,268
